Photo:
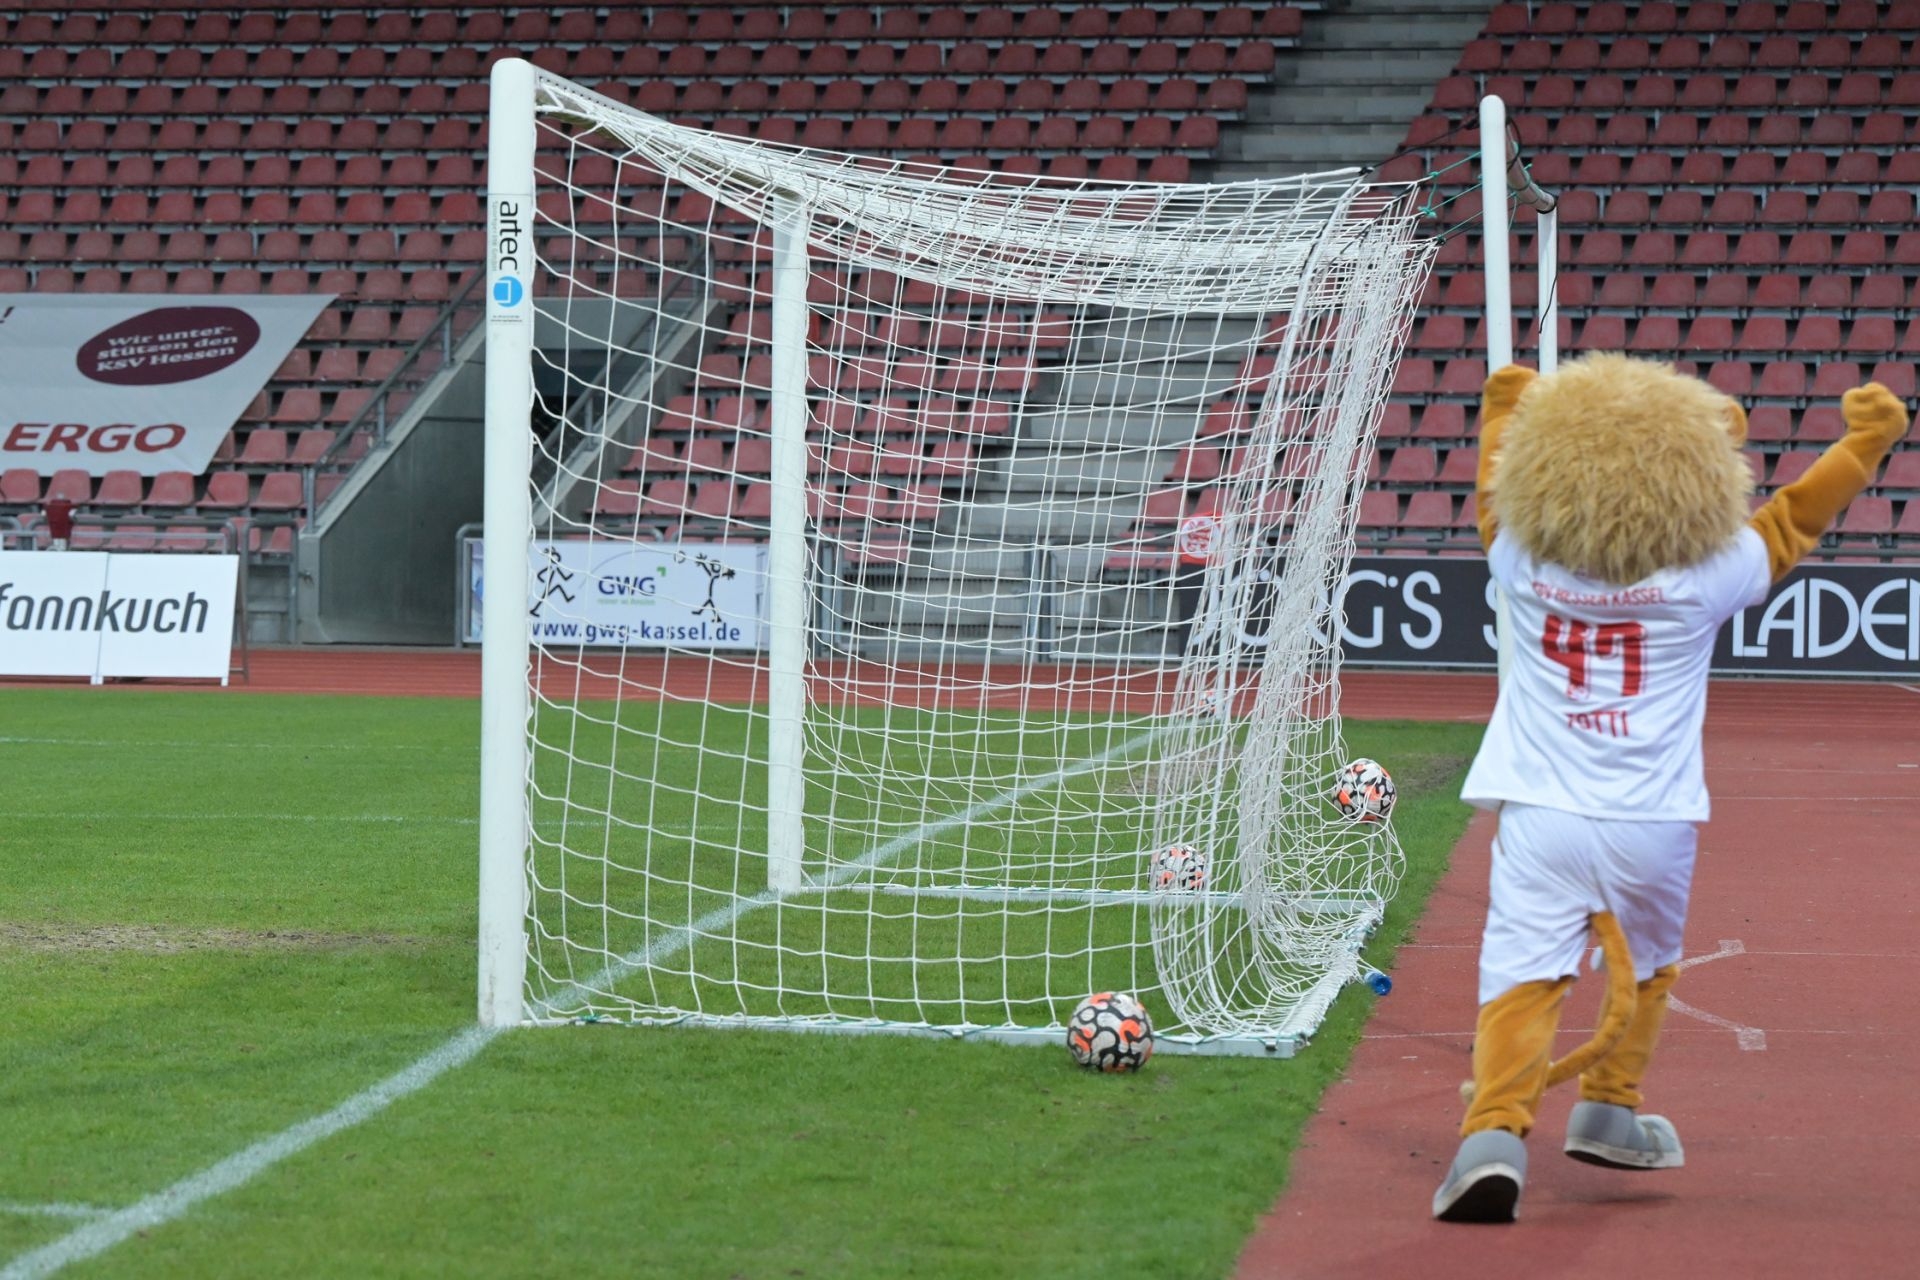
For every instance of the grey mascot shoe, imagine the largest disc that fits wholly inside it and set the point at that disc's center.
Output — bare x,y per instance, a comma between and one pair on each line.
1602,1133
1484,1183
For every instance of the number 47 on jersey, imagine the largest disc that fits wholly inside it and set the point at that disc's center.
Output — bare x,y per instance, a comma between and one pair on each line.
1578,645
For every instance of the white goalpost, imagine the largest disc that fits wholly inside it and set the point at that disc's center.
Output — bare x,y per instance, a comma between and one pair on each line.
833,671
1503,180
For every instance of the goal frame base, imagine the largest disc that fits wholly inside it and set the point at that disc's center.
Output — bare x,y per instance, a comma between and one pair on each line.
1178,1045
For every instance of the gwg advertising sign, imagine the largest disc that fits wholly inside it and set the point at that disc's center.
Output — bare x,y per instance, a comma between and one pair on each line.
636,595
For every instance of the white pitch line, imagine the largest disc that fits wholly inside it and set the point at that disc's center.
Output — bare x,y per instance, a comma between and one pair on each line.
135,816
1728,947
194,743
880,854
243,1166
1750,1039
130,815
54,1210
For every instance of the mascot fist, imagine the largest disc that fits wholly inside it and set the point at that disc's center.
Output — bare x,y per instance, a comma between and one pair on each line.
1874,411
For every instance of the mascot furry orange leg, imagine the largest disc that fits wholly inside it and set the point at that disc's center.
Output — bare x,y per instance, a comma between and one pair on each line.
1614,508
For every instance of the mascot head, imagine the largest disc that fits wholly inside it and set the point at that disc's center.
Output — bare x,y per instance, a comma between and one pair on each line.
1618,468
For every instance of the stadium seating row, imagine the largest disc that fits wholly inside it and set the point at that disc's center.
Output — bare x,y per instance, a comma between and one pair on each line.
1704,91
660,25
1786,52
1660,16
228,490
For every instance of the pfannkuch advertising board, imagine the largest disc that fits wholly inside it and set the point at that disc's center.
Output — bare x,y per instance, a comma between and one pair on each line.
96,614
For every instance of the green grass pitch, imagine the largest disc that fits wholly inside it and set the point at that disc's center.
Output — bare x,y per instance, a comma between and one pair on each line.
223,914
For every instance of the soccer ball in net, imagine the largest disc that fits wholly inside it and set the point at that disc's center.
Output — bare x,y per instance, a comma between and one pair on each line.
1109,1031
1179,868
1364,791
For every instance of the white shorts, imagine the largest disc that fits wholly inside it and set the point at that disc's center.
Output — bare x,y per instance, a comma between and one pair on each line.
1552,869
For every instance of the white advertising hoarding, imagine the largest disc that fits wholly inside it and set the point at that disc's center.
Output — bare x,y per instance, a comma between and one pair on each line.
83,613
135,382
637,595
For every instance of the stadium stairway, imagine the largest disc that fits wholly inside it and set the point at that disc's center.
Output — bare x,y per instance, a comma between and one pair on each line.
1372,66
1083,475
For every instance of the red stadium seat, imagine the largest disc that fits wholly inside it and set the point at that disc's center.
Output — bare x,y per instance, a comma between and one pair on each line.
226,490
1443,421
1379,511
266,447
1430,511
1902,471
1411,465
120,489
280,491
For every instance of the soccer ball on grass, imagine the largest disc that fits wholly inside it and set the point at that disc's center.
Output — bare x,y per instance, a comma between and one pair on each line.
1109,1031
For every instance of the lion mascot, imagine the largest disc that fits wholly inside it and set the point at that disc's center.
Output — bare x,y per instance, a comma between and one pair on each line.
1614,507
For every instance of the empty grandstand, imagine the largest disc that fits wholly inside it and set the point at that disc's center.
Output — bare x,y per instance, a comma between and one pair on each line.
1738,187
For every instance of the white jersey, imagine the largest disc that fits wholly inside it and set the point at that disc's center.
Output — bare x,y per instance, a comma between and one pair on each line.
1601,710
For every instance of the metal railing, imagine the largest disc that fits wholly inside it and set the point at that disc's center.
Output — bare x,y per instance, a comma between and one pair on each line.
377,415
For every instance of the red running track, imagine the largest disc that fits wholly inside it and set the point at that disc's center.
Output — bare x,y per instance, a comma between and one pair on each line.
1790,1072
455,673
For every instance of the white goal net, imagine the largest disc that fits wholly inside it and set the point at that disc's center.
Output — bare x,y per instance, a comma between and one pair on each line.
863,675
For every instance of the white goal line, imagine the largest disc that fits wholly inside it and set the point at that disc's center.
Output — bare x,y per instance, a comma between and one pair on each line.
114,1227
842,876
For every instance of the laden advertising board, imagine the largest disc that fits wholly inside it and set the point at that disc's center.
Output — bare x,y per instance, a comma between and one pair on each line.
94,614
1823,619
637,595
132,382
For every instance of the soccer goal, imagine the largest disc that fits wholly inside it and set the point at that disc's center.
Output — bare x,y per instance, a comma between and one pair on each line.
834,674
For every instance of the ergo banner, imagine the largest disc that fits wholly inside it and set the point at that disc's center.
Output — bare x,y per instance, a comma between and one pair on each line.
96,614
636,595
1438,611
135,382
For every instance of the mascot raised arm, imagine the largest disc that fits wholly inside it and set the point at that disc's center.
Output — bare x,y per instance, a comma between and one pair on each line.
1614,507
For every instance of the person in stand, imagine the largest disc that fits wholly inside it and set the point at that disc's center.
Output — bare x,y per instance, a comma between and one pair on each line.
1193,544
59,523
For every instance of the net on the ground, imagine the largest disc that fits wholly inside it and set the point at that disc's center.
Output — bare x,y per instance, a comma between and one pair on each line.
1011,391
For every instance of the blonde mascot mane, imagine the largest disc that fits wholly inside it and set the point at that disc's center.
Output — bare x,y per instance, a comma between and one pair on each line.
1618,468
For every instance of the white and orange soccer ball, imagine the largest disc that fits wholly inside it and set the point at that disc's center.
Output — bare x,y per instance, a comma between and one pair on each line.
1364,791
1110,1031
1179,868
